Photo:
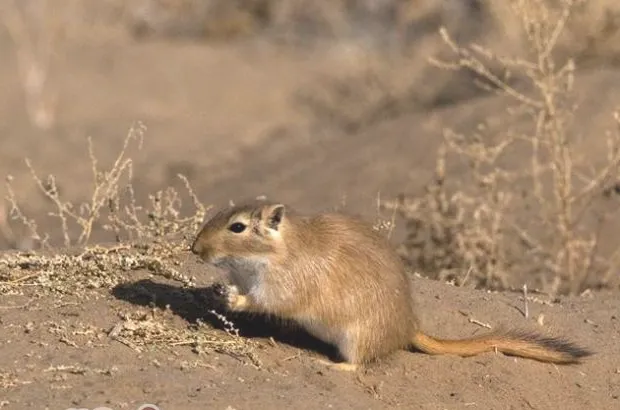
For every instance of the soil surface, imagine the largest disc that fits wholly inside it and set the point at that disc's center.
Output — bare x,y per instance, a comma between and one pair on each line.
58,353
235,119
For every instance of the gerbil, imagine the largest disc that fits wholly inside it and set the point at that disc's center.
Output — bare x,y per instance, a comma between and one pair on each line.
342,281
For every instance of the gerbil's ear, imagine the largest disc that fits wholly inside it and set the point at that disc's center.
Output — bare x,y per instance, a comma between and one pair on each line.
274,215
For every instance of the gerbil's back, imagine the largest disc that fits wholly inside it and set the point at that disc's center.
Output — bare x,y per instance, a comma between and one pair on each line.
353,242
358,262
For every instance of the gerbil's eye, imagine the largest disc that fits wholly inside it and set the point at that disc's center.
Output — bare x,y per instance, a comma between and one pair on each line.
237,227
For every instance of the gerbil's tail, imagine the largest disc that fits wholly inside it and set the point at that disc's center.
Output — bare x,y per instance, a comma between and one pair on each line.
512,342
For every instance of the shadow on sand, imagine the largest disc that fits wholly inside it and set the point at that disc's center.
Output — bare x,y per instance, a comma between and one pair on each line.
196,304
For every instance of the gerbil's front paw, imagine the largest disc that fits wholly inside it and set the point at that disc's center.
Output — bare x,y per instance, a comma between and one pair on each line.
232,298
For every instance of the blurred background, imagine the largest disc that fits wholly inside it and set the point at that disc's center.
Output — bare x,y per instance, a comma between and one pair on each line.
318,103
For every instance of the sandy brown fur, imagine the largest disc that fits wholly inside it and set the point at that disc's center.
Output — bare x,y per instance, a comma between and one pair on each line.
342,281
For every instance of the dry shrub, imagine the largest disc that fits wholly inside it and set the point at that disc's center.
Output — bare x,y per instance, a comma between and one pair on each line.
527,221
112,205
454,236
591,33
153,238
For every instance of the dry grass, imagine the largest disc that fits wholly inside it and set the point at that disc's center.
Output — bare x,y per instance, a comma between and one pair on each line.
112,204
153,238
510,223
477,234
91,272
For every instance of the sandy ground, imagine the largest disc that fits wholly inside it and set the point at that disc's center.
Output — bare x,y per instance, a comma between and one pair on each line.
58,353
230,118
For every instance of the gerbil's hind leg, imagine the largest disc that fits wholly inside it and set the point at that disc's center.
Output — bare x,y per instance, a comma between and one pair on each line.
342,366
348,349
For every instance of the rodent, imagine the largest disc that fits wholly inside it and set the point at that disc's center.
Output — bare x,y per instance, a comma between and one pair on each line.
342,281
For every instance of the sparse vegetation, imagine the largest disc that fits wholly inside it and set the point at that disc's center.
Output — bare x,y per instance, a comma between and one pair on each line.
112,204
154,238
500,224
478,234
